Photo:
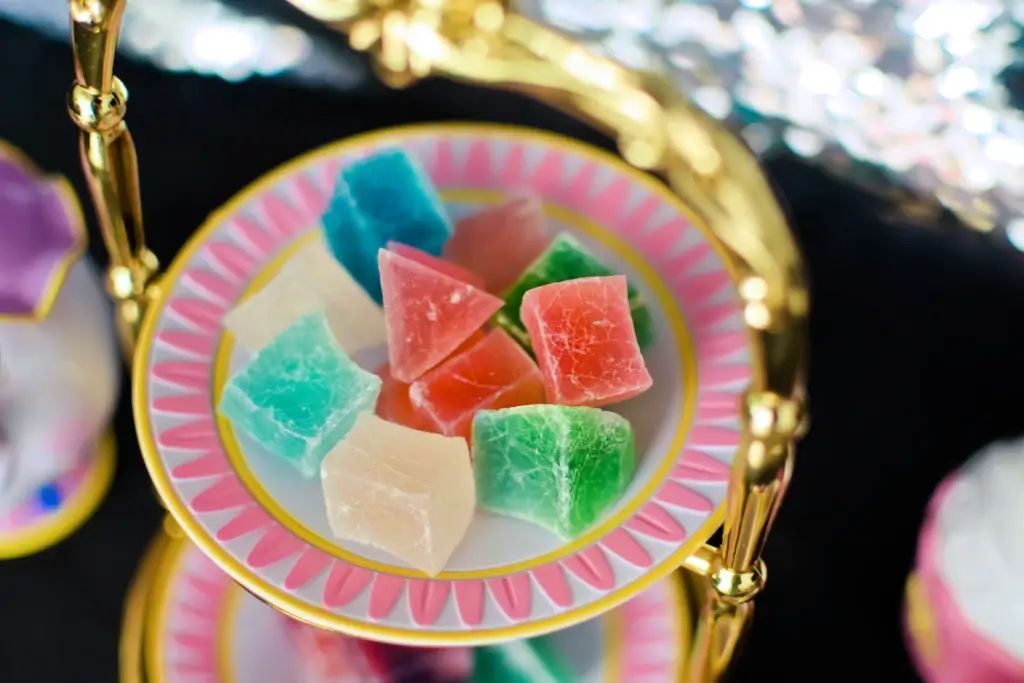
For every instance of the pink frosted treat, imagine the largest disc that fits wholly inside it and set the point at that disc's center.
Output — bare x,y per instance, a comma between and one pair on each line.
964,618
499,243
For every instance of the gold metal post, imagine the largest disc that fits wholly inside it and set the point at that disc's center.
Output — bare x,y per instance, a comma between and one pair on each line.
97,104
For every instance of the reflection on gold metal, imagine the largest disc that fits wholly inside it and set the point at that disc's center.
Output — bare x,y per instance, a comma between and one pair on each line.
656,129
97,104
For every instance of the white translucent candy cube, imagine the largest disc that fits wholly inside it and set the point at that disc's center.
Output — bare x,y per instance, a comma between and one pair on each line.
311,281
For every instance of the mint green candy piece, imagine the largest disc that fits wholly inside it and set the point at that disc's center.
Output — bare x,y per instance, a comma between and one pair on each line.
560,467
520,661
567,259
300,394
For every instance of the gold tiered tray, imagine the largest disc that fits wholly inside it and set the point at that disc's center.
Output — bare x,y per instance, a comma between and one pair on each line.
703,237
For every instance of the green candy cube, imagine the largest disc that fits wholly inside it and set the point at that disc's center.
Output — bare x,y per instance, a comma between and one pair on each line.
560,467
300,394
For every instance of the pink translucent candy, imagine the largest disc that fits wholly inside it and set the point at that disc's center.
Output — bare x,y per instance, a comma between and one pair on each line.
440,265
499,243
582,334
428,315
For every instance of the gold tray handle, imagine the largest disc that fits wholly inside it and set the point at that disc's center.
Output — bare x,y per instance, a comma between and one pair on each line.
97,104
656,129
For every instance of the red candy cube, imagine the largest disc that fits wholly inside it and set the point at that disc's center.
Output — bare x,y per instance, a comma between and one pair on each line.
582,334
428,314
494,373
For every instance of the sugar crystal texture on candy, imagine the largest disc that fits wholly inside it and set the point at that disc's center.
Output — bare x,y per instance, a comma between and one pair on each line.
500,242
567,259
311,281
582,335
299,395
535,660
494,373
384,197
407,492
434,263
428,314
560,467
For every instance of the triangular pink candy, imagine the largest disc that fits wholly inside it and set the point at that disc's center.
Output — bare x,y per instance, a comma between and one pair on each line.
427,314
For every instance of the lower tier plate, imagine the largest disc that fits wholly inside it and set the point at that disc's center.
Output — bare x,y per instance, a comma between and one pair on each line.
187,621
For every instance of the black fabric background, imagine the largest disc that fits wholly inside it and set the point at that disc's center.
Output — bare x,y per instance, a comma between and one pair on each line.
916,342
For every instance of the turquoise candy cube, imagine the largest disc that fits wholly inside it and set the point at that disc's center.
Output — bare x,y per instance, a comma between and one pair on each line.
299,396
385,197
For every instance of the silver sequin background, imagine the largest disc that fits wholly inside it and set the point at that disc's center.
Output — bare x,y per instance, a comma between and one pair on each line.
904,91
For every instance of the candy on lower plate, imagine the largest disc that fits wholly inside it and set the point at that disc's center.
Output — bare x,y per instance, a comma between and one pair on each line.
428,314
494,373
385,197
560,467
500,242
309,282
520,661
402,664
567,259
406,492
299,395
434,263
582,335
335,658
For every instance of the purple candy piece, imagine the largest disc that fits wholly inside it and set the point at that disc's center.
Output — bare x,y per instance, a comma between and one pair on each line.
41,235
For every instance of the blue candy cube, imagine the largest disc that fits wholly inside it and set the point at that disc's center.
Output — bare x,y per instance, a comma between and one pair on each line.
385,197
299,396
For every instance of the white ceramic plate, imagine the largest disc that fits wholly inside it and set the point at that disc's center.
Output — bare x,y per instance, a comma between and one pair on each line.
267,528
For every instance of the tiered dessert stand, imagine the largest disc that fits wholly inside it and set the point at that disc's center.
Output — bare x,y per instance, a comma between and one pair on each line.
700,233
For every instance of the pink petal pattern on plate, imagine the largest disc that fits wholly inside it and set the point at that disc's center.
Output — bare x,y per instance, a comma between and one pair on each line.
306,568
674,493
697,466
197,345
235,260
203,315
551,579
195,436
185,374
654,522
513,594
239,248
245,522
628,548
226,494
206,465
276,544
183,404
225,292
384,593
591,566
469,598
344,583
427,599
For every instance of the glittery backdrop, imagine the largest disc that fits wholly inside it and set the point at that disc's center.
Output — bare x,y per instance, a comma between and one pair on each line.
912,92
914,88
